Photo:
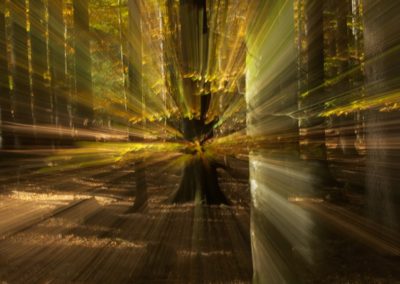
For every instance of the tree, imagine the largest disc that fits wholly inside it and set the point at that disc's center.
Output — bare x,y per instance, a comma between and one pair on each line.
21,93
57,58
7,138
83,64
381,71
312,90
136,94
40,66
199,182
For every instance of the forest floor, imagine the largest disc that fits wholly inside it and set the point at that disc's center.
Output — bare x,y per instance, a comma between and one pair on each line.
76,227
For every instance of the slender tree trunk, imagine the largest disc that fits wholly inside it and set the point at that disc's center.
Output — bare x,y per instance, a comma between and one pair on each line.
39,61
83,64
122,55
57,57
57,63
20,70
312,127
136,91
7,137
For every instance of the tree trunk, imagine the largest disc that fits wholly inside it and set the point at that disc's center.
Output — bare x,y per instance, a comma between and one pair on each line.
20,70
135,91
199,181
7,137
40,85
83,64
381,32
312,126
57,52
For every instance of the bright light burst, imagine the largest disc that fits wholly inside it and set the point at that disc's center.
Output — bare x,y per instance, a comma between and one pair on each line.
305,93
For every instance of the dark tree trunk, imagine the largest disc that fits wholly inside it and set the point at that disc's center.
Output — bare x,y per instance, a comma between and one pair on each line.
141,186
7,138
135,91
199,181
381,32
40,85
312,127
83,64
57,52
20,71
